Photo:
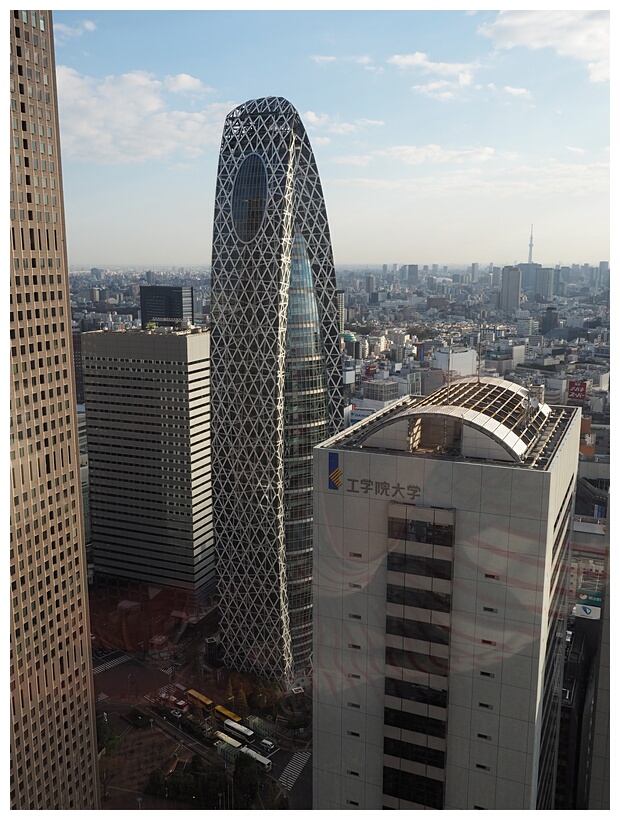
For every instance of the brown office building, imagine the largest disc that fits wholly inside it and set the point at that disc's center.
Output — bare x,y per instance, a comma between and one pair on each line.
52,724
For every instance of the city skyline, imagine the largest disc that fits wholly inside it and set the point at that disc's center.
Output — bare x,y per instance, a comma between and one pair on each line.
442,136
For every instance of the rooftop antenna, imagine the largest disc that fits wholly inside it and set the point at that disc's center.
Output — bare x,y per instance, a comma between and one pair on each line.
529,259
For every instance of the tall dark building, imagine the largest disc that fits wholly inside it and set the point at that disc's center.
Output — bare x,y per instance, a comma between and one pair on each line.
148,422
166,305
277,384
52,726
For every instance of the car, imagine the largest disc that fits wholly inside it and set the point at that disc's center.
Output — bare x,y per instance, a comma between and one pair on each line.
176,713
267,744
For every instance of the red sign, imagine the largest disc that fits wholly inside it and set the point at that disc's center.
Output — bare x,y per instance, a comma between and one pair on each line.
577,390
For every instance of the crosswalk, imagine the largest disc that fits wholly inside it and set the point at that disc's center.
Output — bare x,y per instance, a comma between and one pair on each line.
294,768
109,664
163,692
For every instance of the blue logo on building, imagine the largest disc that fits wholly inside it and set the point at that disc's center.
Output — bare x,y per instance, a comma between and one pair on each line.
335,473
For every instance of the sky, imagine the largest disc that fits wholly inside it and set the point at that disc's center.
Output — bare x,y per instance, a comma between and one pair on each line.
440,136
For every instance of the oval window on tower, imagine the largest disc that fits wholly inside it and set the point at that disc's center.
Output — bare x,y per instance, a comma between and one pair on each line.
249,197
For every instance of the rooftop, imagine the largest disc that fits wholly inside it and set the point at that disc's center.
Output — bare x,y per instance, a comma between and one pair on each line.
479,418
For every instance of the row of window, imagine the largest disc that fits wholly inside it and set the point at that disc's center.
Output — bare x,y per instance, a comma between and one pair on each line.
416,692
412,751
419,630
421,532
29,18
419,565
414,723
31,262
35,281
421,598
414,788
417,661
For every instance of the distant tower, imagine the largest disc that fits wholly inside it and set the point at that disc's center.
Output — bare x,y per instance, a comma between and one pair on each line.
529,258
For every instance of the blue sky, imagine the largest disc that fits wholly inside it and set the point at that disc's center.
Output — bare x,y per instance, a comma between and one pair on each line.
440,136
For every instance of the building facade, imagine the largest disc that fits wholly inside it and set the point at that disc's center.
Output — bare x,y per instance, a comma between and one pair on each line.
441,565
52,727
510,297
148,419
277,384
166,305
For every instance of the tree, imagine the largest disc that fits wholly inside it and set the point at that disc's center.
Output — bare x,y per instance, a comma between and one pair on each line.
103,732
246,781
197,765
156,784
241,703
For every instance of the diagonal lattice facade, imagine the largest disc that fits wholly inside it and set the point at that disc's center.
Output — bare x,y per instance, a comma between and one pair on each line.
276,382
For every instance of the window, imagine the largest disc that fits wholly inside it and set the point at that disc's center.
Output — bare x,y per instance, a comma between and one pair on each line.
424,790
416,660
419,565
412,751
414,723
423,598
417,692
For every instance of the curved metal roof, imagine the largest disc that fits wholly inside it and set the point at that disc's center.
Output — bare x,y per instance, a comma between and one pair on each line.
504,411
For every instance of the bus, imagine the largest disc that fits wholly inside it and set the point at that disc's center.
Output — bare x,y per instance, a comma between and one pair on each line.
226,714
263,762
227,739
199,700
239,729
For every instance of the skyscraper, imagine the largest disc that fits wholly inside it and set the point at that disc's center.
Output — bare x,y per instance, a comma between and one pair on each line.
149,451
53,742
166,305
510,298
277,386
441,575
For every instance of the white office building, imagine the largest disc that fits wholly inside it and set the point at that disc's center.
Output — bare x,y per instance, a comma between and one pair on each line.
440,572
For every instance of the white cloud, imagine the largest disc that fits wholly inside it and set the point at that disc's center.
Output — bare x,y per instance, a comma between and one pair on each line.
452,77
424,154
439,89
517,92
186,84
462,72
510,185
352,159
335,126
321,140
63,32
574,150
95,128
362,122
315,120
363,60
583,35
420,155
